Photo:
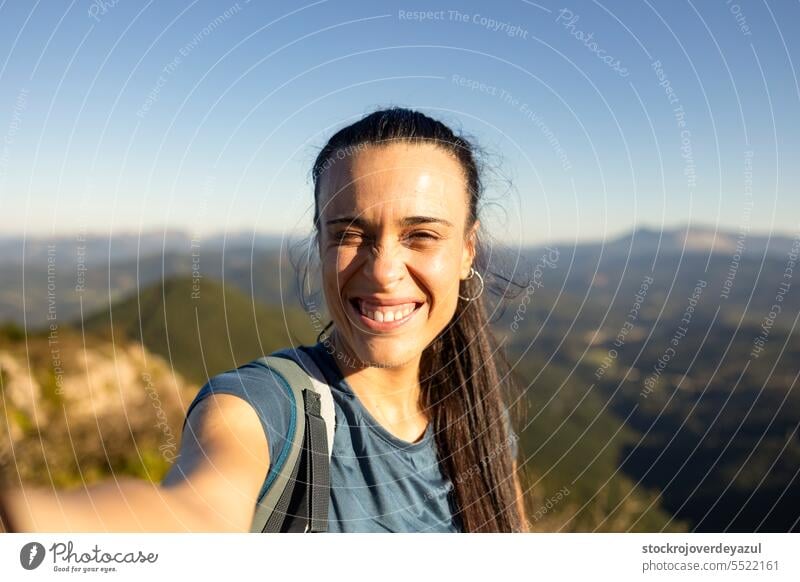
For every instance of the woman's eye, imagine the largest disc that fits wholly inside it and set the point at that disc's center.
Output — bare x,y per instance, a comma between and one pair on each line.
346,236
424,235
357,237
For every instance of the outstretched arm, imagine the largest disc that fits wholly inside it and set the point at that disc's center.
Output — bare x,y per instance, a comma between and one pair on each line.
212,487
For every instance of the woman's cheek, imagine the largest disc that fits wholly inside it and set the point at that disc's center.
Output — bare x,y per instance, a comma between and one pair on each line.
344,260
338,267
441,273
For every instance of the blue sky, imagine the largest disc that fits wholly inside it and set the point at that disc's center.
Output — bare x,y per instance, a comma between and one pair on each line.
206,116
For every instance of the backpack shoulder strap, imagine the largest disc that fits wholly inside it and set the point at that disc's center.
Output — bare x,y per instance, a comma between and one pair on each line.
308,450
275,501
319,385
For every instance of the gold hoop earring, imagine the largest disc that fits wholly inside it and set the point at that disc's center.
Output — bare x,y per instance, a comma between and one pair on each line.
472,273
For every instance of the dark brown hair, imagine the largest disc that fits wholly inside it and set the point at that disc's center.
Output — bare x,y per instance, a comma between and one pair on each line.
463,373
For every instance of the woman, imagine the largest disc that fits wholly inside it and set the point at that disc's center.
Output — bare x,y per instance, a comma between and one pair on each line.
422,438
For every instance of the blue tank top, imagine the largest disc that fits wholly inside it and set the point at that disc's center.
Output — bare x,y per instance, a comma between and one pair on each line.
379,483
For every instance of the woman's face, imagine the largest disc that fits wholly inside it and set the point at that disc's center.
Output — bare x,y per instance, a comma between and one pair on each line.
393,247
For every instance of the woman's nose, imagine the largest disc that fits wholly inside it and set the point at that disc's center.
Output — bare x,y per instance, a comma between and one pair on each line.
385,264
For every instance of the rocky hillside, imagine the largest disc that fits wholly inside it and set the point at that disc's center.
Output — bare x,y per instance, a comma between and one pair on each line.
79,408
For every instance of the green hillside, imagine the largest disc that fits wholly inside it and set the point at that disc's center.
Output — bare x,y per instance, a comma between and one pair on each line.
571,446
202,329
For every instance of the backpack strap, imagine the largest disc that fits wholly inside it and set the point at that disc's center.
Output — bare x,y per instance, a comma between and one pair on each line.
306,454
274,505
319,385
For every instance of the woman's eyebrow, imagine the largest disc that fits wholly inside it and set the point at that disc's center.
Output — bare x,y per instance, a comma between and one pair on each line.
415,220
406,221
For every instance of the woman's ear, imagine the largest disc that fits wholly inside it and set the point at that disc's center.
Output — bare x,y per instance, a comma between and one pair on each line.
470,248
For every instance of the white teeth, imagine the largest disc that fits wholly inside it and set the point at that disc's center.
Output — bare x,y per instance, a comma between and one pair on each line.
387,316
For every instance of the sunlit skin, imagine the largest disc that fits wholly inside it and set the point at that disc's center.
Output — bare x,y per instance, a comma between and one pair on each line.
372,243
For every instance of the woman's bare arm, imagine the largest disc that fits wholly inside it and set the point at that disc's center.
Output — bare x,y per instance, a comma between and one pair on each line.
213,485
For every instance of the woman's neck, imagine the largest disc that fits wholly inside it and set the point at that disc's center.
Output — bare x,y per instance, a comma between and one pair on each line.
390,394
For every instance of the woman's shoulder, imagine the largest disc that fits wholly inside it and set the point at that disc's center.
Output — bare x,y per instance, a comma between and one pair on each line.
266,392
254,379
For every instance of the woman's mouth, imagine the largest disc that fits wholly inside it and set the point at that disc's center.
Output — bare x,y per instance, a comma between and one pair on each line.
383,317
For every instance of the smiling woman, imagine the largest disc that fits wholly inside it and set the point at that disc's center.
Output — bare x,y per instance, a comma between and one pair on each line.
398,234
422,440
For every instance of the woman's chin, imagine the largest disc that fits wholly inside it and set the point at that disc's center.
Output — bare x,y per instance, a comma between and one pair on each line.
386,352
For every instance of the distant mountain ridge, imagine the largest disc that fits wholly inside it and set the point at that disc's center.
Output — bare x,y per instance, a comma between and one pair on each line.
100,248
265,269
703,239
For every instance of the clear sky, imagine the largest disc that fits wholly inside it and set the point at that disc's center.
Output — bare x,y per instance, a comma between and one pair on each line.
206,116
